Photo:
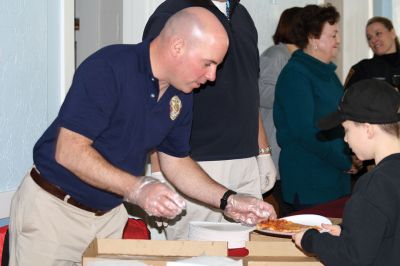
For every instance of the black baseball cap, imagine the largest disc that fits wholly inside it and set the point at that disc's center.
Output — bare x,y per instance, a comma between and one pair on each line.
367,101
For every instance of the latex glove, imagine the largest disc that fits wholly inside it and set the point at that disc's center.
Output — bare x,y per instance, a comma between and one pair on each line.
156,198
248,209
267,171
160,222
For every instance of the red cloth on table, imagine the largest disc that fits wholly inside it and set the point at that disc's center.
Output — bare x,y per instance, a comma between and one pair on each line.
3,231
136,229
238,252
333,209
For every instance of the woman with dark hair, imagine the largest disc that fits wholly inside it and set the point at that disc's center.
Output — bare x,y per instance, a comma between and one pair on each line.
286,25
385,64
314,166
272,61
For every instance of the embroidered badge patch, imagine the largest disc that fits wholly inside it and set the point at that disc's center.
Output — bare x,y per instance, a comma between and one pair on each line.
351,72
175,106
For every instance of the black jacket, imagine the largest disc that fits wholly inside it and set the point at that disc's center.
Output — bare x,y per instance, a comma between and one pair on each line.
371,222
379,67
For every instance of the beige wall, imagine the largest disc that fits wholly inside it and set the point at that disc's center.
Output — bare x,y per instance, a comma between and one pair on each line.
354,15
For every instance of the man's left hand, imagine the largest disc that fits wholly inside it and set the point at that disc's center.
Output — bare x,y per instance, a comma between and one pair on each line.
267,171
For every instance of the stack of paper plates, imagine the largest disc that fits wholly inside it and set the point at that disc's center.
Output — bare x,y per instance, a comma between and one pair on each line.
235,234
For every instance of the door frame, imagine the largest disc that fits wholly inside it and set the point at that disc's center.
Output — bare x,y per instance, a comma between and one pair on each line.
67,36
135,16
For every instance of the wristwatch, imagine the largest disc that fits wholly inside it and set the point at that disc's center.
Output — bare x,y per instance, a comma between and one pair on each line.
267,150
224,199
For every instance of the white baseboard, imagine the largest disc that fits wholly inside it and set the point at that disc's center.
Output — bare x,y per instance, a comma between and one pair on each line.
5,203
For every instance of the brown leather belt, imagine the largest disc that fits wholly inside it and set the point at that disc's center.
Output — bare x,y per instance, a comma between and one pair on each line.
59,193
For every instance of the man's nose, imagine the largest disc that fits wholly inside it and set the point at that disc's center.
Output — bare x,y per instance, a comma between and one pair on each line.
211,74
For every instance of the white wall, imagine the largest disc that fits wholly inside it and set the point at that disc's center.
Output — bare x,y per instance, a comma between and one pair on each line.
136,14
395,15
100,24
354,44
266,13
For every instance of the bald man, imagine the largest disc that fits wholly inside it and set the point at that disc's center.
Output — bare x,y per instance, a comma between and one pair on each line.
227,137
91,158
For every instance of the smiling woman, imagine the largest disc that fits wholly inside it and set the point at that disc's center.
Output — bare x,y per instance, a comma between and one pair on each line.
381,36
385,64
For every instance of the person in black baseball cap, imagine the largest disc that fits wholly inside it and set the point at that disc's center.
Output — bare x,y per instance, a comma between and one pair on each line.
371,101
370,233
368,101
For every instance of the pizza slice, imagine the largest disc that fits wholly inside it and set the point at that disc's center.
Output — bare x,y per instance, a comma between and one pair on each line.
283,226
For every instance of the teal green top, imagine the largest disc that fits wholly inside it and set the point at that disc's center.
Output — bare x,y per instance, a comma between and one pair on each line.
312,163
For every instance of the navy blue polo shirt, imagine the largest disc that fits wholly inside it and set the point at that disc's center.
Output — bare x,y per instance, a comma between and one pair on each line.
113,101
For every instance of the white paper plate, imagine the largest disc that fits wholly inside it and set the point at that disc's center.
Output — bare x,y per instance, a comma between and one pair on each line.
234,233
306,219
309,219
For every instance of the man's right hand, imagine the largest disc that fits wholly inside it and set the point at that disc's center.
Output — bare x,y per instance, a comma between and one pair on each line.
156,198
248,210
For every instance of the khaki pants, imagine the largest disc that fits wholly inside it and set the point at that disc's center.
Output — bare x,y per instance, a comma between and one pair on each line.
240,175
45,230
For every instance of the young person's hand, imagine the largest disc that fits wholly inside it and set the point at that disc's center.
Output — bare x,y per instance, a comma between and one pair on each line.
357,162
356,165
353,170
298,237
332,229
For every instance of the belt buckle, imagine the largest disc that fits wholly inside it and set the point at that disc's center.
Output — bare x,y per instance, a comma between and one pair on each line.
99,213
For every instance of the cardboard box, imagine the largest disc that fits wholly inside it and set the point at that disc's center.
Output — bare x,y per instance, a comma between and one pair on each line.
265,250
151,252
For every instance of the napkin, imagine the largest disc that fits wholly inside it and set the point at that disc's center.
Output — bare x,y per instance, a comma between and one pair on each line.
206,261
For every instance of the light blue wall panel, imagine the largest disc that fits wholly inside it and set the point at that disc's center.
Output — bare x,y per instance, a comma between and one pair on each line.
383,8
27,53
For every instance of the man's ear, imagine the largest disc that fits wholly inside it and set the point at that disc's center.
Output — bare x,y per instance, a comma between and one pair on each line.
177,46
